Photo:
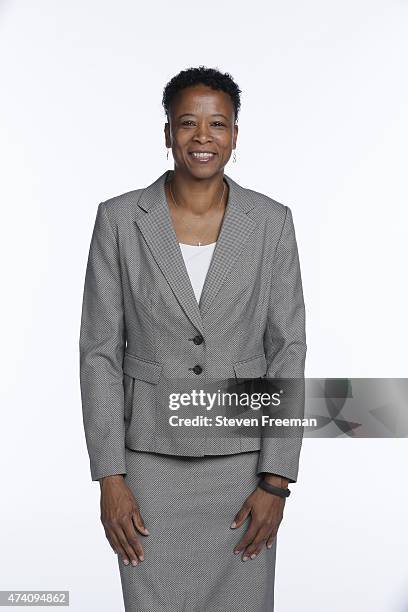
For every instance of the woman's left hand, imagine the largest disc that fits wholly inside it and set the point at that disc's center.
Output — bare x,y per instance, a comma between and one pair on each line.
266,515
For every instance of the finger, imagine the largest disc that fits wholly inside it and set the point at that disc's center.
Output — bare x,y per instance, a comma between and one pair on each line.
255,547
133,539
241,516
112,545
271,539
139,522
120,551
247,537
130,552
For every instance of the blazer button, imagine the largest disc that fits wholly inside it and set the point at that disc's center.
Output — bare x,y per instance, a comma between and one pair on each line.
197,369
198,339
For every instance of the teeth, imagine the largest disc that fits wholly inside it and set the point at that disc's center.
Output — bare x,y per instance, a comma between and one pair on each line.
202,155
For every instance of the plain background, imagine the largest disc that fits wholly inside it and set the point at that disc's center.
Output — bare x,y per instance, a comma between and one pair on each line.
323,129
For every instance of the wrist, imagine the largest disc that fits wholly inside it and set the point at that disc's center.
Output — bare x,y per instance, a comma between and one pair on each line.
276,480
110,478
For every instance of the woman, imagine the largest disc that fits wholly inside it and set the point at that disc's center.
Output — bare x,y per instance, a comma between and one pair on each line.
192,277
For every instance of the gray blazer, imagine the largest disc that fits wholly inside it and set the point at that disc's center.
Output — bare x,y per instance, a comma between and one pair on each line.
141,324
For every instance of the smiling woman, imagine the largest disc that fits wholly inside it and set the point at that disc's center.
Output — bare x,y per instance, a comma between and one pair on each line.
183,512
202,132
202,128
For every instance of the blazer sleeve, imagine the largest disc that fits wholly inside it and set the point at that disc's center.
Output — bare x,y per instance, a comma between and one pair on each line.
285,349
101,350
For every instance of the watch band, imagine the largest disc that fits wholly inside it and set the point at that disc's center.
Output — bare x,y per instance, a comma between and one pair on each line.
272,489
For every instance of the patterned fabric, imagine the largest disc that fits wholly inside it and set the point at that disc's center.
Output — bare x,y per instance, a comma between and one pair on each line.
188,504
140,316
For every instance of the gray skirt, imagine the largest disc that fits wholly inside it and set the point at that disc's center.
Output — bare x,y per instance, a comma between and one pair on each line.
188,505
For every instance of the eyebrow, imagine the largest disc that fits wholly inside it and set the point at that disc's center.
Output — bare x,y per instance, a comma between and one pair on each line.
213,115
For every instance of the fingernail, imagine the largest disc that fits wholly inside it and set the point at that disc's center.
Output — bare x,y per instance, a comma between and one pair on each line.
134,562
269,545
125,561
253,556
147,531
236,552
141,558
233,524
245,558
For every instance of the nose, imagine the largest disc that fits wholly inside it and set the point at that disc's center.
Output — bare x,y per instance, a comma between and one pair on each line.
202,133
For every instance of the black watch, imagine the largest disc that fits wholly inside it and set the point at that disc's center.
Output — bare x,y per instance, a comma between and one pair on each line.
272,489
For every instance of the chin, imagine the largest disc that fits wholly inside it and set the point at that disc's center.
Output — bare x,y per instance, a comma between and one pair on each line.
204,172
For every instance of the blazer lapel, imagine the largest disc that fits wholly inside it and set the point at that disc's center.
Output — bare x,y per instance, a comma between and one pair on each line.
158,231
234,233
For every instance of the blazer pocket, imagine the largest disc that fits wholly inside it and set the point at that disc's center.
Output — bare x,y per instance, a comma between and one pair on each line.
253,367
149,371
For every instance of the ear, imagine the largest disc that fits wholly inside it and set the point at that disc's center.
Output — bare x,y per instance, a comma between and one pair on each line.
167,135
234,139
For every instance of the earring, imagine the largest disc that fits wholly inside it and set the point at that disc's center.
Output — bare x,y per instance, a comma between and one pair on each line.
234,158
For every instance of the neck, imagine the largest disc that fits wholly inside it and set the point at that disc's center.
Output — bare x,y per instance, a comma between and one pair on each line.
198,196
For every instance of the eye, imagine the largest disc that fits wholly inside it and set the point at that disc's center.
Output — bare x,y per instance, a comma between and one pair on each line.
187,122
217,123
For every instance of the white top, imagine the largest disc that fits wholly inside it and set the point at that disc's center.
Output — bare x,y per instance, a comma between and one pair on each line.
197,260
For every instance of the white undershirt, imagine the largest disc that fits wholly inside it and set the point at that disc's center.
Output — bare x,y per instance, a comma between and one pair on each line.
197,260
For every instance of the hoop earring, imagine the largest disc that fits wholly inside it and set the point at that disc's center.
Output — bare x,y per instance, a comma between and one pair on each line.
234,158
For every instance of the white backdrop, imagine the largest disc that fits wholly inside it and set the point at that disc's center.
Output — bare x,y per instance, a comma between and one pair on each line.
323,129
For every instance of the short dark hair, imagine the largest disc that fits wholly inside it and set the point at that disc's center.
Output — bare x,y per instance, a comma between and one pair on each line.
202,76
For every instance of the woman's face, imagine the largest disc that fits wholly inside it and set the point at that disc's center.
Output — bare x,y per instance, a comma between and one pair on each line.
201,119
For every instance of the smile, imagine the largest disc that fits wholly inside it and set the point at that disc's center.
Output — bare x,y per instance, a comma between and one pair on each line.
205,156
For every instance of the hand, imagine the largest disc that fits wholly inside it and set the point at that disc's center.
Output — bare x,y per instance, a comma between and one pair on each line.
267,513
120,516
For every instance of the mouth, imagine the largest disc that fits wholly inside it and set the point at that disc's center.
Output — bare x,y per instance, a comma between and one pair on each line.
202,156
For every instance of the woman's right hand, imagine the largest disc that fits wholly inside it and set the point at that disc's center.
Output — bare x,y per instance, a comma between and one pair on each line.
121,519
